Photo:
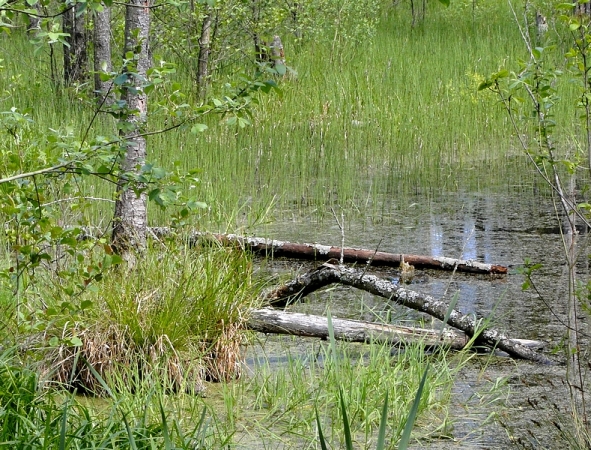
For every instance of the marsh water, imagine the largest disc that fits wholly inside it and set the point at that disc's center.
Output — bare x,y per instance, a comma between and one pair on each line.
505,228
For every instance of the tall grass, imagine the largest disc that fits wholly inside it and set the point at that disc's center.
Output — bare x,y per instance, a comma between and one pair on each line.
286,398
384,119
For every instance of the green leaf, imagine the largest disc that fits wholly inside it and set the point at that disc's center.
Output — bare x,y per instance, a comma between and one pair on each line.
199,128
445,2
565,6
281,69
75,341
121,79
85,304
381,444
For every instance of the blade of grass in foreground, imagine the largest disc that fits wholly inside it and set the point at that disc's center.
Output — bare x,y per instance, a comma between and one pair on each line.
405,439
346,426
383,422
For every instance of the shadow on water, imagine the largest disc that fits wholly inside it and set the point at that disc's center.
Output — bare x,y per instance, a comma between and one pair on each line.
495,228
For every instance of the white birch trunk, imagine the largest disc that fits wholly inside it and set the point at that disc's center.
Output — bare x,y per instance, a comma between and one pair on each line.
130,221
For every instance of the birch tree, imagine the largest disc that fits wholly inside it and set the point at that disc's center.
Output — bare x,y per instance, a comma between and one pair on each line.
130,220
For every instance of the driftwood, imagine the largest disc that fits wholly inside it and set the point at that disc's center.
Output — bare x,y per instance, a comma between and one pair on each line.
328,274
270,320
318,252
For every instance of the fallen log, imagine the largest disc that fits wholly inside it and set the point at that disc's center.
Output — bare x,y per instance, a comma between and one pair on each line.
270,320
318,252
473,327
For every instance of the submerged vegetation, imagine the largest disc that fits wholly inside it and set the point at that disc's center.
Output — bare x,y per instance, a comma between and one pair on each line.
367,112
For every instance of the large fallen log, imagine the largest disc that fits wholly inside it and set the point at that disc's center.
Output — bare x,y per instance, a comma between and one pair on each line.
318,252
270,320
328,274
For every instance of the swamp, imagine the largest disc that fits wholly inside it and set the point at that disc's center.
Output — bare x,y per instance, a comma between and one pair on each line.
458,129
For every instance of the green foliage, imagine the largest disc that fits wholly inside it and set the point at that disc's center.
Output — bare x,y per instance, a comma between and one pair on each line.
32,417
189,296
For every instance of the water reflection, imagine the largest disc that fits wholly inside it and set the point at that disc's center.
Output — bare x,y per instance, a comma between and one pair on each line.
497,229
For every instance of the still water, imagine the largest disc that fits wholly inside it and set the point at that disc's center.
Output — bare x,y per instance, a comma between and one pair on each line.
506,229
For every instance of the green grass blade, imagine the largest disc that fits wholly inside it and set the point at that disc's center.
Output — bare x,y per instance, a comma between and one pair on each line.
320,434
167,442
132,443
405,439
100,379
381,445
450,308
346,426
63,427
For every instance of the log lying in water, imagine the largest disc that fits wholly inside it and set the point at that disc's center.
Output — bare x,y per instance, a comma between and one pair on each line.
270,320
328,274
271,247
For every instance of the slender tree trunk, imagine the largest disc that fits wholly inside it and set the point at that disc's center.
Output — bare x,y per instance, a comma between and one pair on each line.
204,51
277,54
102,54
130,221
34,20
75,55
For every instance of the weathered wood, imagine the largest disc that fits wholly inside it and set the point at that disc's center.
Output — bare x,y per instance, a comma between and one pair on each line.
469,324
272,247
269,320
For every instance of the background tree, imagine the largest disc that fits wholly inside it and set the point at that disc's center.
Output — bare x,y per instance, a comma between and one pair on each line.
76,42
102,53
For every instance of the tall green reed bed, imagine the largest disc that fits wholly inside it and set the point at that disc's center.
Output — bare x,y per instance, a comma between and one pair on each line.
354,127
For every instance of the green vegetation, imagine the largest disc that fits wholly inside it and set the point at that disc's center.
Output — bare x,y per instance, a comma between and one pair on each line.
364,117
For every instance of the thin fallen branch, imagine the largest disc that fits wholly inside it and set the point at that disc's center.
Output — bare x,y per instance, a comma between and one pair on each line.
328,274
318,252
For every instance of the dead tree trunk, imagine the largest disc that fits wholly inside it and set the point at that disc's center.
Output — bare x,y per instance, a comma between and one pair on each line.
318,252
204,50
277,54
328,274
270,320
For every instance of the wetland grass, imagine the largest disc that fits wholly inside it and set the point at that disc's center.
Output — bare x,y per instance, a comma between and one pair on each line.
384,120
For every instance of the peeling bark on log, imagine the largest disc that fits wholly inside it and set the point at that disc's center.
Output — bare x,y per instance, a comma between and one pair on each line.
271,247
270,320
328,274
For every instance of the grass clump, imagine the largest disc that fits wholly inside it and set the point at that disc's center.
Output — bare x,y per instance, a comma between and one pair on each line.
179,312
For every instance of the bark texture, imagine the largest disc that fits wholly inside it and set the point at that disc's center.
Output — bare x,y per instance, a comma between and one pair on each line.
130,221
204,50
75,55
328,274
102,54
277,54
269,320
318,252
